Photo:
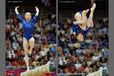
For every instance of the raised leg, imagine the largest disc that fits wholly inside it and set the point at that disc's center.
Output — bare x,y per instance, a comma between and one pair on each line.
84,19
90,19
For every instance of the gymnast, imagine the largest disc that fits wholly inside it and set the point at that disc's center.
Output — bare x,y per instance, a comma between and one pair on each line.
28,26
82,25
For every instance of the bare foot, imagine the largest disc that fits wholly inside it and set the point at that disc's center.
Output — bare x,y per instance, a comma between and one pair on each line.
28,69
93,7
85,12
30,52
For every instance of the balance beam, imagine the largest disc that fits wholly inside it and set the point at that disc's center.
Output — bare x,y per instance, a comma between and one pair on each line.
38,71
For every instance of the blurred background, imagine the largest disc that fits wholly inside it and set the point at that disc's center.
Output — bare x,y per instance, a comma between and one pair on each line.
81,58
44,50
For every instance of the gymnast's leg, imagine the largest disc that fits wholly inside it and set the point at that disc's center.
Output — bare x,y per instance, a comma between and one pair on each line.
84,17
25,46
31,42
90,19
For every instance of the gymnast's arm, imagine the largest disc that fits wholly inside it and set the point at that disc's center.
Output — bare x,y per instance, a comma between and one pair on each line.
83,27
80,23
36,15
74,29
16,11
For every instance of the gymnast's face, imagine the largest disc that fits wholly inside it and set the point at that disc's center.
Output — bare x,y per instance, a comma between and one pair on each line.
80,37
78,16
28,16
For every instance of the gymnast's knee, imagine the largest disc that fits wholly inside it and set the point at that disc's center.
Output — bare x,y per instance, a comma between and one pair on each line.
32,40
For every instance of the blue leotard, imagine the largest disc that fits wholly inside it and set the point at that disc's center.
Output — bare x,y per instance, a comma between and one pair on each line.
28,26
77,29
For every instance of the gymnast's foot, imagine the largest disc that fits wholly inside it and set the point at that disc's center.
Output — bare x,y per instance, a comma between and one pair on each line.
85,12
28,69
52,67
93,7
30,52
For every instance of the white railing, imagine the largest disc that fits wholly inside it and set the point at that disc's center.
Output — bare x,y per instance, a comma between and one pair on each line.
97,73
73,74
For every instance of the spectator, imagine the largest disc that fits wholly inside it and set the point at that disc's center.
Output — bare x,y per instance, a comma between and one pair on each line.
43,52
103,67
11,53
78,51
93,51
77,65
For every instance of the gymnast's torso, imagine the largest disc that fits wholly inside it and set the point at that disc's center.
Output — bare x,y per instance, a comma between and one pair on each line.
77,30
28,26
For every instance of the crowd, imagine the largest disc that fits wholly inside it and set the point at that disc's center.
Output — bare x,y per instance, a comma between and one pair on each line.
74,57
88,56
44,50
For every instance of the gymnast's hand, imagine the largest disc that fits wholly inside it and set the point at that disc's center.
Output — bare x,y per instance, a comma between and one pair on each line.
16,10
74,33
37,10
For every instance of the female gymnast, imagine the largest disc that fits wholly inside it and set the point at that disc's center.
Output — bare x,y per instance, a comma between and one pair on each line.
28,26
82,25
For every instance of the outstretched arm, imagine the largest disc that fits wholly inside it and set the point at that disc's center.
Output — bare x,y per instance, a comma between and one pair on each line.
74,29
80,23
37,12
16,11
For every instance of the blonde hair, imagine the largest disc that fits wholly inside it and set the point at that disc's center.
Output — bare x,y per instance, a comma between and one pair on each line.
27,13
